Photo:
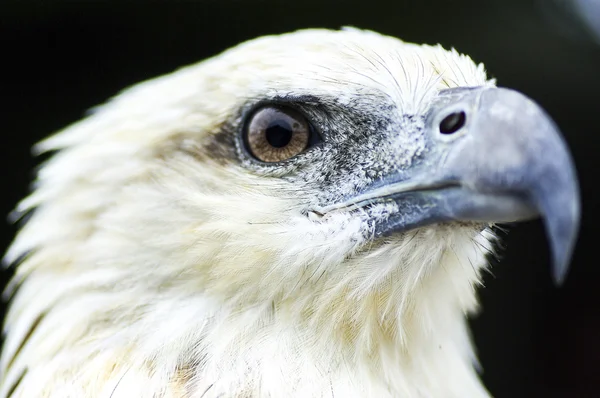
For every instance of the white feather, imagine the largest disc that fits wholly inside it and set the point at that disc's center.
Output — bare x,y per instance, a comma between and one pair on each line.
143,258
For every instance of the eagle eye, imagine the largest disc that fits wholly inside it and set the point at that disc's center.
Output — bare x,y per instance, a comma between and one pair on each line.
274,134
453,122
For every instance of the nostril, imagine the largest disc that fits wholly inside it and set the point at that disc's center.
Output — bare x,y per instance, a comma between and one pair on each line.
453,122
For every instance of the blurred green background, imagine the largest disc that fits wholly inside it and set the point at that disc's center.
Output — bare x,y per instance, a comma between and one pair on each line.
59,58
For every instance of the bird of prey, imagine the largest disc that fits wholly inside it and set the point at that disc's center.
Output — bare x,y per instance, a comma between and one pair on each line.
304,215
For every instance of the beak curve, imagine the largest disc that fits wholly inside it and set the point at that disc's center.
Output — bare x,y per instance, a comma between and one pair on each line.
507,163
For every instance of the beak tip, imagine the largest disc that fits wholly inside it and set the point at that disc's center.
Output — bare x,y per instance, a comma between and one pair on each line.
559,272
563,242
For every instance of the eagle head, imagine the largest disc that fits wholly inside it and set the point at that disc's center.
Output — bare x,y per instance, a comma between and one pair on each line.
303,215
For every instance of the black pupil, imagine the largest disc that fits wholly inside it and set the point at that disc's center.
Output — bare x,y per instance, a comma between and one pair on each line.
452,123
279,133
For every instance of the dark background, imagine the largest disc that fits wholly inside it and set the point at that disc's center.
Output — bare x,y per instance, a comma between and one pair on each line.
59,58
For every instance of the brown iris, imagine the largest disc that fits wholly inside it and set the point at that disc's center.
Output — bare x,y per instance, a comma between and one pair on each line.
276,134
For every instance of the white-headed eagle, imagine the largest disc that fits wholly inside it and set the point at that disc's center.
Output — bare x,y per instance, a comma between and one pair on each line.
304,215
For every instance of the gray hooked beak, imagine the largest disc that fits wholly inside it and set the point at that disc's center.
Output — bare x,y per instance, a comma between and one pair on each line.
494,156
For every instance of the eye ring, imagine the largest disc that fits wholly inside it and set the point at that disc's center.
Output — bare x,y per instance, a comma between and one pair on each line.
453,122
275,133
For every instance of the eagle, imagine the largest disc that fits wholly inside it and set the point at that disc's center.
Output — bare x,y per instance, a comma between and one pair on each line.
304,215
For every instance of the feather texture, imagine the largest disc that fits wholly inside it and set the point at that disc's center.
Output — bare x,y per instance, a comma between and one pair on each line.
160,266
